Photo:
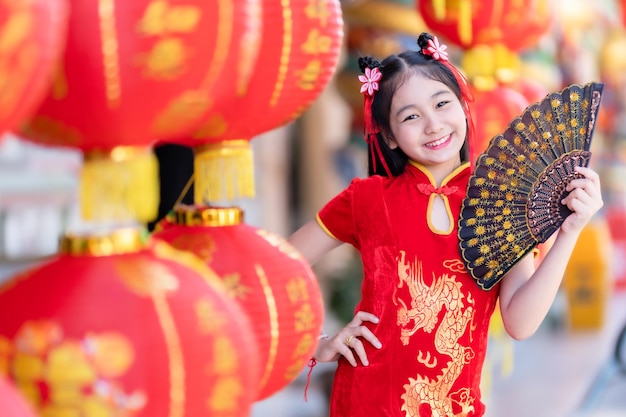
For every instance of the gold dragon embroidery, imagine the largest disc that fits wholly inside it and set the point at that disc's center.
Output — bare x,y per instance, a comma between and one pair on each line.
426,304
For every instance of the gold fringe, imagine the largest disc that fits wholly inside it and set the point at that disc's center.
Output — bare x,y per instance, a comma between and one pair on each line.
507,64
479,65
487,66
465,22
223,171
120,185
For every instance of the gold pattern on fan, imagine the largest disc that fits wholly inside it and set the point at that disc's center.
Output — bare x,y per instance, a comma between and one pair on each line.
514,194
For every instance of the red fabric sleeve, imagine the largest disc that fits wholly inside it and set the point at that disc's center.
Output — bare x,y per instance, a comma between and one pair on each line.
337,216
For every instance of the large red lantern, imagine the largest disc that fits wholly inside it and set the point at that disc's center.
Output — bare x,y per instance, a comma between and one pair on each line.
13,403
135,72
494,109
298,52
114,326
272,282
515,24
32,36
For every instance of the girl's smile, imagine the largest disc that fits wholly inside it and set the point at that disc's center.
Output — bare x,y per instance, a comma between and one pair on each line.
436,144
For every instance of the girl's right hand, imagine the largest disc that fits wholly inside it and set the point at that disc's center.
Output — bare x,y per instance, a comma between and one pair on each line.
349,341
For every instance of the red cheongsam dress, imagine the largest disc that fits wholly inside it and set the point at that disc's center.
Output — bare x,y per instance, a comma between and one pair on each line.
433,317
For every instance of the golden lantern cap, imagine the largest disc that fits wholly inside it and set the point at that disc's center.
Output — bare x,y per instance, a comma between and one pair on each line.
198,215
116,242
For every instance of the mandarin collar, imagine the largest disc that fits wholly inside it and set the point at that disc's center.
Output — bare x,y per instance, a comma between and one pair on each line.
423,174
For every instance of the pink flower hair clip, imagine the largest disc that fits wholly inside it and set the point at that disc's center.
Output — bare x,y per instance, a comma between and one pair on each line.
436,50
370,80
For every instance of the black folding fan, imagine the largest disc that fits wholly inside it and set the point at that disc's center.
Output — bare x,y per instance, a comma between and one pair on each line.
513,199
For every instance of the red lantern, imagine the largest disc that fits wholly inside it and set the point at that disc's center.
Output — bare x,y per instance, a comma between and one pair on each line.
32,35
117,327
532,90
467,23
494,109
267,276
298,51
134,72
13,404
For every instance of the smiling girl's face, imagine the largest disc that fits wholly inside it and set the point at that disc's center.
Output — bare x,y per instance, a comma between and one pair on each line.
428,123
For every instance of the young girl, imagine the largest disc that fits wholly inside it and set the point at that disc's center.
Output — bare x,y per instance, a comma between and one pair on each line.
417,342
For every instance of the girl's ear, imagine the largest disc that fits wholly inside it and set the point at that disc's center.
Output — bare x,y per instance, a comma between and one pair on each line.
390,141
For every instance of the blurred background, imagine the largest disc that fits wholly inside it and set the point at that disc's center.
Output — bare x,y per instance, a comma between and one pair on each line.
513,53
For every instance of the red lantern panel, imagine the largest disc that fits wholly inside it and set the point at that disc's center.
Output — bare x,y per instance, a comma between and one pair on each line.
299,50
271,281
32,36
494,109
128,332
137,71
467,23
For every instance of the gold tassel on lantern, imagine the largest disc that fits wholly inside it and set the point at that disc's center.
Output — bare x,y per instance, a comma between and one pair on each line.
121,184
487,66
223,170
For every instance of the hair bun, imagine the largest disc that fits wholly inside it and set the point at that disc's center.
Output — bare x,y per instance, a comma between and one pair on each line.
368,62
422,40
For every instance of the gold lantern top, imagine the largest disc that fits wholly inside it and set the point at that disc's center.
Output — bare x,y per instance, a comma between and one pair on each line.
198,215
116,242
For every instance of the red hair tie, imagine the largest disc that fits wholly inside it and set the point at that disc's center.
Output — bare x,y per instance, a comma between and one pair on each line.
369,87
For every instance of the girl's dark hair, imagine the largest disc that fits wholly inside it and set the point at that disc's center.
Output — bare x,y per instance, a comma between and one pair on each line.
396,69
